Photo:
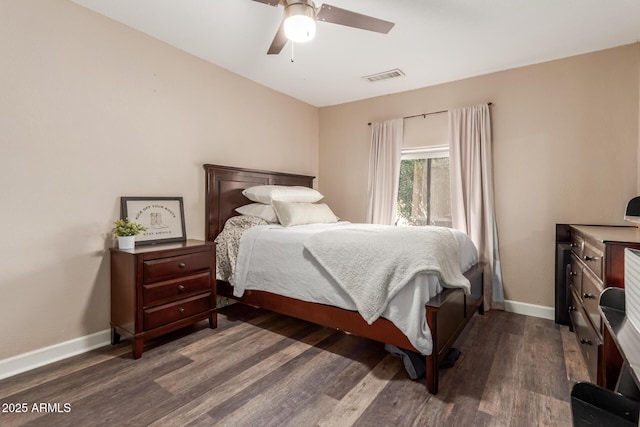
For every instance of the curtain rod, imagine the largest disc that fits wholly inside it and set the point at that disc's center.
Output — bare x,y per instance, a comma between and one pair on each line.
423,115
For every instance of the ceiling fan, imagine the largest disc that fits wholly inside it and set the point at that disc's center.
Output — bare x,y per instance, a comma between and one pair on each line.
299,22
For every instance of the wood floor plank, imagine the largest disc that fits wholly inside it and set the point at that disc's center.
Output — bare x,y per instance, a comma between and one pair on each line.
366,355
574,362
502,378
279,395
540,410
482,419
396,404
196,406
78,386
201,349
107,408
233,355
42,375
203,420
537,342
498,397
313,412
462,387
354,403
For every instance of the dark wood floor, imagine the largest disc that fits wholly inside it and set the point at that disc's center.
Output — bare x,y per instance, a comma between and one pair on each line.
263,369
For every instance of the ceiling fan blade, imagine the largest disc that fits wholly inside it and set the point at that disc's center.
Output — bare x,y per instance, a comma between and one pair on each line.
269,2
336,15
278,41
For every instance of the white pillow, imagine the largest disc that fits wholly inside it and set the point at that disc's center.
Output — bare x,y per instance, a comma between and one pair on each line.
260,210
268,193
303,213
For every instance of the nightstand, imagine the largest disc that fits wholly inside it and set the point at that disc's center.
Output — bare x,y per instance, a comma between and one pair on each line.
159,288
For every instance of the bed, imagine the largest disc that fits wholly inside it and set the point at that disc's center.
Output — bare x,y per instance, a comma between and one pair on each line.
447,313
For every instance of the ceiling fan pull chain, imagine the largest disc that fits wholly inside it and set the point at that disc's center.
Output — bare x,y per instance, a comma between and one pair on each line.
292,43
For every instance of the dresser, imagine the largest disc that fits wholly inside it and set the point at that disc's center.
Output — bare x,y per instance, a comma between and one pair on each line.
590,258
160,288
595,406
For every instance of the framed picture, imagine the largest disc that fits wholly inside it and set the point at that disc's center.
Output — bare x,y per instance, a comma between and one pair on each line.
163,217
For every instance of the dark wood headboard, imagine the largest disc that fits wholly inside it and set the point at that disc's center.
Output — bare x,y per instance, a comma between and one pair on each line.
224,185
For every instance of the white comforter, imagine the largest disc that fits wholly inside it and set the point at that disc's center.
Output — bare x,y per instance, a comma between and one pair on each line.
372,263
272,258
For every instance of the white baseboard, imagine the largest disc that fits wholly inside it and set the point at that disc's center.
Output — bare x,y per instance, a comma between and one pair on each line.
36,358
530,309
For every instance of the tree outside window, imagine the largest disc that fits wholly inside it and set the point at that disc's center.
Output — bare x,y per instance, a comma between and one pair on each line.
424,192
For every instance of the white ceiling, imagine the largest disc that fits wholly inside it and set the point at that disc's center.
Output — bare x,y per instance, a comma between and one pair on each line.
433,41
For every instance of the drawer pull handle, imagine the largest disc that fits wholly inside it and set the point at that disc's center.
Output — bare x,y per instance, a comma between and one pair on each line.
573,273
181,310
182,265
590,258
572,308
180,288
585,341
588,296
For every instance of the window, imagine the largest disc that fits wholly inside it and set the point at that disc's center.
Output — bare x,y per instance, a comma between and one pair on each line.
424,192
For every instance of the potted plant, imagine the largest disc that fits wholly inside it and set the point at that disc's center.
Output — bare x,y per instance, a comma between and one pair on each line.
126,231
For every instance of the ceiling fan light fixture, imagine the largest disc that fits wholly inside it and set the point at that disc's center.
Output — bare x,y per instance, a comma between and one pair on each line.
300,22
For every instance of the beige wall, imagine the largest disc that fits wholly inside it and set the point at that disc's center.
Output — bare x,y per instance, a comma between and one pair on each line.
565,150
90,111
426,131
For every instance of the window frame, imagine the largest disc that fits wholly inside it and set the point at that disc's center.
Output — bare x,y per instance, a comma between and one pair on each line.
434,152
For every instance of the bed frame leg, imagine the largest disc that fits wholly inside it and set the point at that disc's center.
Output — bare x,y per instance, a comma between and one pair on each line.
432,374
432,359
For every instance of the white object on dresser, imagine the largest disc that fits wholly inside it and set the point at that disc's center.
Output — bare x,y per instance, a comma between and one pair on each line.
632,285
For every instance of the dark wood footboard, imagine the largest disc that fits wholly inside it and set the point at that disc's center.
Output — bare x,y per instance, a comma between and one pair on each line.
447,315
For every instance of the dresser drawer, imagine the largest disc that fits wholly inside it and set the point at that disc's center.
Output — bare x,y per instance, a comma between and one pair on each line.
170,290
592,256
167,313
587,337
591,288
575,274
577,244
157,269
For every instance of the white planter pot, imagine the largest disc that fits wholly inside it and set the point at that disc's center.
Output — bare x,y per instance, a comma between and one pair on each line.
126,242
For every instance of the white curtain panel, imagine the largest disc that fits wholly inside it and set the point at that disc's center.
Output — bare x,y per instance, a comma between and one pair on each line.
384,171
472,206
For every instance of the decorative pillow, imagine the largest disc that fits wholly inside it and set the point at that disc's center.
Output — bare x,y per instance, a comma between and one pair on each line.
260,210
268,193
228,242
303,213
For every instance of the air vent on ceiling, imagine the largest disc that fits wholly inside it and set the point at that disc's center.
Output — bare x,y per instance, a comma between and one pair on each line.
396,72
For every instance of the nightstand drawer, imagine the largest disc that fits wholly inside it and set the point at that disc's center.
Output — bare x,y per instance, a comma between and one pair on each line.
182,309
170,290
157,269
